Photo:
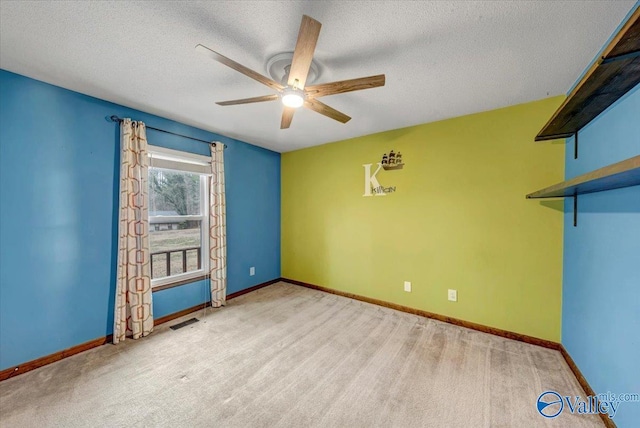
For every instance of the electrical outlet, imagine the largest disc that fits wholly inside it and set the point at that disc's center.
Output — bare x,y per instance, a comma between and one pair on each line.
252,271
407,286
453,295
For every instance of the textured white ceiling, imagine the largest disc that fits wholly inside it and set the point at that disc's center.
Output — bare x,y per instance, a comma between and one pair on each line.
442,58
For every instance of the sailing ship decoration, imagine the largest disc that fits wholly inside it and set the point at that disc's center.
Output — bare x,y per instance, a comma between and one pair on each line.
392,162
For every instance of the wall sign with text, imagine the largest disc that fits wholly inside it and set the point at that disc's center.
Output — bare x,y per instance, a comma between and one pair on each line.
372,186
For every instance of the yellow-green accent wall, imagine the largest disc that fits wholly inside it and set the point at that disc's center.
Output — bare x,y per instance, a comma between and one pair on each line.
458,219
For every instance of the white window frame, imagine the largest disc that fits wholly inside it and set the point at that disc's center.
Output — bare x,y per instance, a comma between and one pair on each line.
162,158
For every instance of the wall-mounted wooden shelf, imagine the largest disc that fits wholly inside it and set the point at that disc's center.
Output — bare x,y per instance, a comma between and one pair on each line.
608,79
612,76
618,175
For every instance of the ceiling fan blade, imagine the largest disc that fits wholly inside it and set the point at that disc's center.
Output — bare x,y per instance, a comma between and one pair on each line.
303,54
287,116
318,107
250,100
345,86
239,67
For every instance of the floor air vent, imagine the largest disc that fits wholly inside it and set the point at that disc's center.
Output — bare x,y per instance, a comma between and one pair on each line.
184,323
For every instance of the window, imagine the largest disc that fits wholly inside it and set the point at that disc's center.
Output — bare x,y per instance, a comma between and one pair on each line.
178,216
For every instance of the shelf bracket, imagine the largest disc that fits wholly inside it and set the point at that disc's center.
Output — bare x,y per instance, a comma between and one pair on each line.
629,55
575,210
575,145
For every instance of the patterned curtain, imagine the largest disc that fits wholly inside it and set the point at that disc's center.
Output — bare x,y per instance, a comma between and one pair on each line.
217,229
133,314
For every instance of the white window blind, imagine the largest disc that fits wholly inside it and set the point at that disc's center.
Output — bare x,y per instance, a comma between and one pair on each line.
160,157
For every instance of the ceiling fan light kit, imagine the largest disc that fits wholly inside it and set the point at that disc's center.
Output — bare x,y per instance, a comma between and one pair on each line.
293,92
292,97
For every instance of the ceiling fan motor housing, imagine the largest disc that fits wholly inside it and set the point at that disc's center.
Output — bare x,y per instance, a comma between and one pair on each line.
279,65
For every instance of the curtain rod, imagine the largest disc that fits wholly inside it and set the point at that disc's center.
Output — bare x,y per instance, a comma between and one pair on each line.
115,118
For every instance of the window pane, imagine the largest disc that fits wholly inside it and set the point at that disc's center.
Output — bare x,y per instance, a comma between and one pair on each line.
179,242
173,193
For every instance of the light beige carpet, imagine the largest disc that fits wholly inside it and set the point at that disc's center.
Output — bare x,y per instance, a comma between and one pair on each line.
286,356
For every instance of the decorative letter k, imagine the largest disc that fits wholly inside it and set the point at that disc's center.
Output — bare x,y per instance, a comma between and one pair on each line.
371,180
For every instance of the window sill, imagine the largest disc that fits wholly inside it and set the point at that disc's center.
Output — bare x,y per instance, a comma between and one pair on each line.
177,283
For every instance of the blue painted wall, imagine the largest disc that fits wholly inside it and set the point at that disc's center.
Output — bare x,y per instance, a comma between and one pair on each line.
59,172
601,284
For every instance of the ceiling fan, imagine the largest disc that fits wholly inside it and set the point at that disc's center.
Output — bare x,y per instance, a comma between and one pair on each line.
292,91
